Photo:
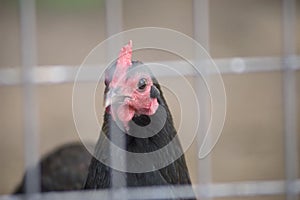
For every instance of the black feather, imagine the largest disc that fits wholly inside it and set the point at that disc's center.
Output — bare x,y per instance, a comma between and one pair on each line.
64,169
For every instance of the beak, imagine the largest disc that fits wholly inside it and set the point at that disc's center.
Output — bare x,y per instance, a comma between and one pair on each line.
154,92
113,97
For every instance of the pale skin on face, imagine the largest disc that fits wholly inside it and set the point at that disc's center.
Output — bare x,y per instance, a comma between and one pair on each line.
138,102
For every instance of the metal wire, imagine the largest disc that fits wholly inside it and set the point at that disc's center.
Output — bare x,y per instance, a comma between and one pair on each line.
114,21
59,74
30,120
201,35
29,76
289,97
235,189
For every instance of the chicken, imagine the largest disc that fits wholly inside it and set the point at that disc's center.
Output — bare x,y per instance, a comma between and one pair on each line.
64,169
132,100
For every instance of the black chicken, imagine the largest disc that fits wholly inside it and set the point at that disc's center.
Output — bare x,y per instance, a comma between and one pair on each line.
132,97
64,169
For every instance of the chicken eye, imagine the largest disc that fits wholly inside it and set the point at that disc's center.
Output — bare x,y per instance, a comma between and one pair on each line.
142,84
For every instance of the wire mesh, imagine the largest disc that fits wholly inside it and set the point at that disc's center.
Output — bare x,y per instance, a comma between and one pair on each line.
63,74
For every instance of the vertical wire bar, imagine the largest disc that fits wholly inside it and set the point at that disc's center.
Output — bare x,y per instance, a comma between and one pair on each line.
114,16
201,34
114,24
201,22
29,57
289,97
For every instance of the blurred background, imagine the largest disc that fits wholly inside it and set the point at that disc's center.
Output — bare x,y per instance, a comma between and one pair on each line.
252,144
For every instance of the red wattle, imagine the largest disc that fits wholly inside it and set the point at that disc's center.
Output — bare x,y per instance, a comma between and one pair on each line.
125,114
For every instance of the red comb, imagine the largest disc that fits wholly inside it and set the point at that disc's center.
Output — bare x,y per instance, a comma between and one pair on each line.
123,63
125,55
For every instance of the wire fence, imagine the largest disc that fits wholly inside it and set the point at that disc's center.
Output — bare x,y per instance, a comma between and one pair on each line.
29,76
216,190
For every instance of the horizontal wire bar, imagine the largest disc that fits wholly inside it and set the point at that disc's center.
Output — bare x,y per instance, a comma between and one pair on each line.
235,189
57,74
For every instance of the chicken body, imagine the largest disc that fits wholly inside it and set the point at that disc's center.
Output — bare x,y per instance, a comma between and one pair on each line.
176,173
64,169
